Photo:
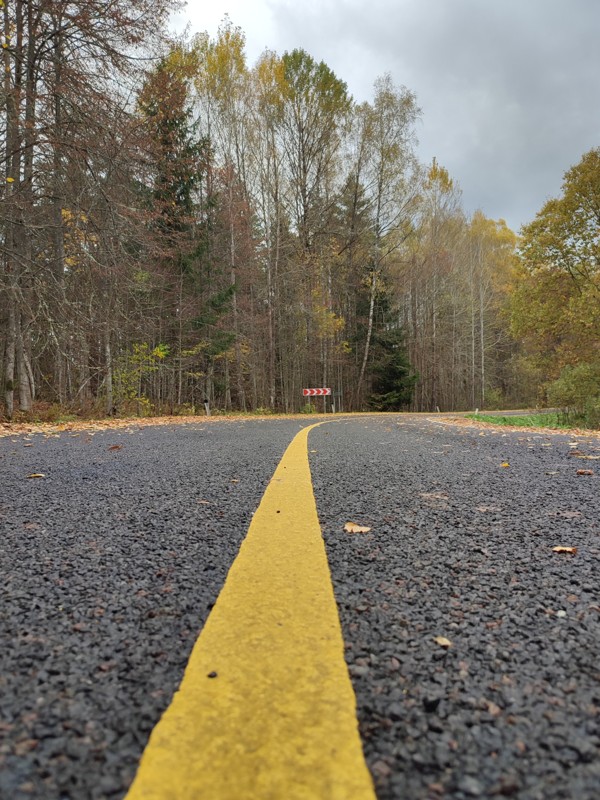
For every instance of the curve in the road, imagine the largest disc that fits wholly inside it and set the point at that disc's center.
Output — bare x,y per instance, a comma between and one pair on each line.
266,709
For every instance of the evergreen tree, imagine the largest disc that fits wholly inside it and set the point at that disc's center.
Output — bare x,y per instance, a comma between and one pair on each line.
393,379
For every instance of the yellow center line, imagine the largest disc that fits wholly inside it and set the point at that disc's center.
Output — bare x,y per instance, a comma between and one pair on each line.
265,710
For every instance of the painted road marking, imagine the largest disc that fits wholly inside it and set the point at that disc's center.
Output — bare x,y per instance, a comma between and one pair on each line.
277,719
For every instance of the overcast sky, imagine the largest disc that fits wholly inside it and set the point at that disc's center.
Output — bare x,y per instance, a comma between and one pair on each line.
509,89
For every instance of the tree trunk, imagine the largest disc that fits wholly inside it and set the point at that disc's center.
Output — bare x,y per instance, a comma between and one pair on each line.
482,343
109,380
363,366
25,389
9,362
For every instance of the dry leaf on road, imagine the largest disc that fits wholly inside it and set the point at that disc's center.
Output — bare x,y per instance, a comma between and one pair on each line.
561,549
36,475
352,527
116,447
585,472
505,464
442,641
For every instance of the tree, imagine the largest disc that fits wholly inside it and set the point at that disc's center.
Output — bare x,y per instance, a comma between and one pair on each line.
565,235
393,378
556,297
384,160
431,289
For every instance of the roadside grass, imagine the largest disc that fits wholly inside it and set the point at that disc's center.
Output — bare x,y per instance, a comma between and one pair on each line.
551,420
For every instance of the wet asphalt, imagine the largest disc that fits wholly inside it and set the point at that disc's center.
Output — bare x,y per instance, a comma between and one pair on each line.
473,647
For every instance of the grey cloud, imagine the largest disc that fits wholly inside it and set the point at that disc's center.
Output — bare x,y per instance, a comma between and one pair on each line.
509,90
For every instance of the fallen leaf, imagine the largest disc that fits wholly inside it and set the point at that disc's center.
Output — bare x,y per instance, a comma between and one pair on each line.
561,549
442,641
36,475
585,472
588,458
116,447
505,464
352,527
204,502
235,480
30,445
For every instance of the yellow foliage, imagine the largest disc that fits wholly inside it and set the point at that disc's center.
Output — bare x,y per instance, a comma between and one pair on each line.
221,65
327,322
270,82
440,176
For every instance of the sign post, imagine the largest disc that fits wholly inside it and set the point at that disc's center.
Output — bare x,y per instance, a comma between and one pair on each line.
323,392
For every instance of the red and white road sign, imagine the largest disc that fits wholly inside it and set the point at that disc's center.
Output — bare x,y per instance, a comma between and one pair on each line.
315,392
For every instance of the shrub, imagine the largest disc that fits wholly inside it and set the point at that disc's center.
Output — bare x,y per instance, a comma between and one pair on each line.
577,392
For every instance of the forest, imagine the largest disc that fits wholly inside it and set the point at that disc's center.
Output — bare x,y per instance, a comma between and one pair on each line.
180,227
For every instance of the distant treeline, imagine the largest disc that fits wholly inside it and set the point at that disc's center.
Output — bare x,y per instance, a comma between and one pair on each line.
178,226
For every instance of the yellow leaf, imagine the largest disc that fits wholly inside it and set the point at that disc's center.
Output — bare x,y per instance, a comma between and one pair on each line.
10,180
505,464
352,527
561,549
442,641
36,475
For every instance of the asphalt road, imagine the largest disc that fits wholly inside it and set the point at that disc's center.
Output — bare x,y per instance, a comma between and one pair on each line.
111,563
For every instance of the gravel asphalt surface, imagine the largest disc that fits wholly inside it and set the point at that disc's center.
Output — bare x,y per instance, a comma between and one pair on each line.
111,562
460,547
110,565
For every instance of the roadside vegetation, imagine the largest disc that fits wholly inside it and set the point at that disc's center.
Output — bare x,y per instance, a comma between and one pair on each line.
522,420
563,419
